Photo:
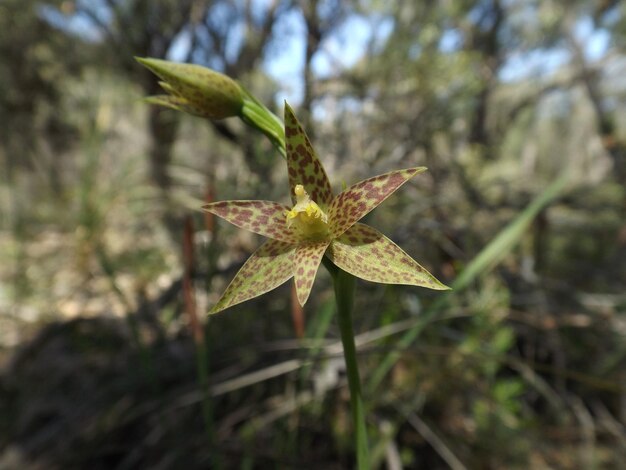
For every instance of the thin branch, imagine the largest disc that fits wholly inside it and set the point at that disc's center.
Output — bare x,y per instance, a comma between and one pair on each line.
435,441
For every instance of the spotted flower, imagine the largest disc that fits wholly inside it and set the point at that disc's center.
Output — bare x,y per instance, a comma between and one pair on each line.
318,224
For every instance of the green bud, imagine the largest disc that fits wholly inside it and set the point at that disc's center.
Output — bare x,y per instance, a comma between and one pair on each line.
195,89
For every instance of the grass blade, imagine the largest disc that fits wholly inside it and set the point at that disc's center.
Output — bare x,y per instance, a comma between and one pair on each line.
485,261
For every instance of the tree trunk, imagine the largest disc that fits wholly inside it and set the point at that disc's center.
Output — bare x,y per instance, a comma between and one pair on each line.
163,127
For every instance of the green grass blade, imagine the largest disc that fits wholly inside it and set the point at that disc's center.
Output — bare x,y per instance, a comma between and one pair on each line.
485,261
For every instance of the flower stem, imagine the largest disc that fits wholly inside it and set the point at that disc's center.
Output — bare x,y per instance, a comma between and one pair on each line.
255,114
344,294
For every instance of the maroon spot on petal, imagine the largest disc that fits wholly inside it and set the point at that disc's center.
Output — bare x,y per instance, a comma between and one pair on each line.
374,194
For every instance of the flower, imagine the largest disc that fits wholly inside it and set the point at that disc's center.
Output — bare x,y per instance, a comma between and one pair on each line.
195,89
319,224
206,93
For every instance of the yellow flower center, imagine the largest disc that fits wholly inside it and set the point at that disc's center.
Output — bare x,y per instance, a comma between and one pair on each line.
306,216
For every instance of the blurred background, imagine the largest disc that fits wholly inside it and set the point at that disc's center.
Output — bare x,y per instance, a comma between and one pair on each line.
107,267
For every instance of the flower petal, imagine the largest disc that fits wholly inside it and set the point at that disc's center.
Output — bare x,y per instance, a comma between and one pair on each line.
302,163
307,260
266,218
267,268
359,199
366,253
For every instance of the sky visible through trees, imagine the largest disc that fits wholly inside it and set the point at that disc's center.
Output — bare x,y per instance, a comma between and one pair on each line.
348,44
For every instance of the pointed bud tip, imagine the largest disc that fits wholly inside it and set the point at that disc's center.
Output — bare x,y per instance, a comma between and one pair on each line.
161,68
153,99
288,110
162,100
147,62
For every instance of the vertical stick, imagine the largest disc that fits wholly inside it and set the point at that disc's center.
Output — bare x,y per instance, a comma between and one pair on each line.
297,313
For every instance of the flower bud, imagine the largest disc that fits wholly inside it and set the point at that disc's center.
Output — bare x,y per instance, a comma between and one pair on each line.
195,89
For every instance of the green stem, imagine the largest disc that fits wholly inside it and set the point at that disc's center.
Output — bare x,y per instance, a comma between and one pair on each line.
344,294
256,115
